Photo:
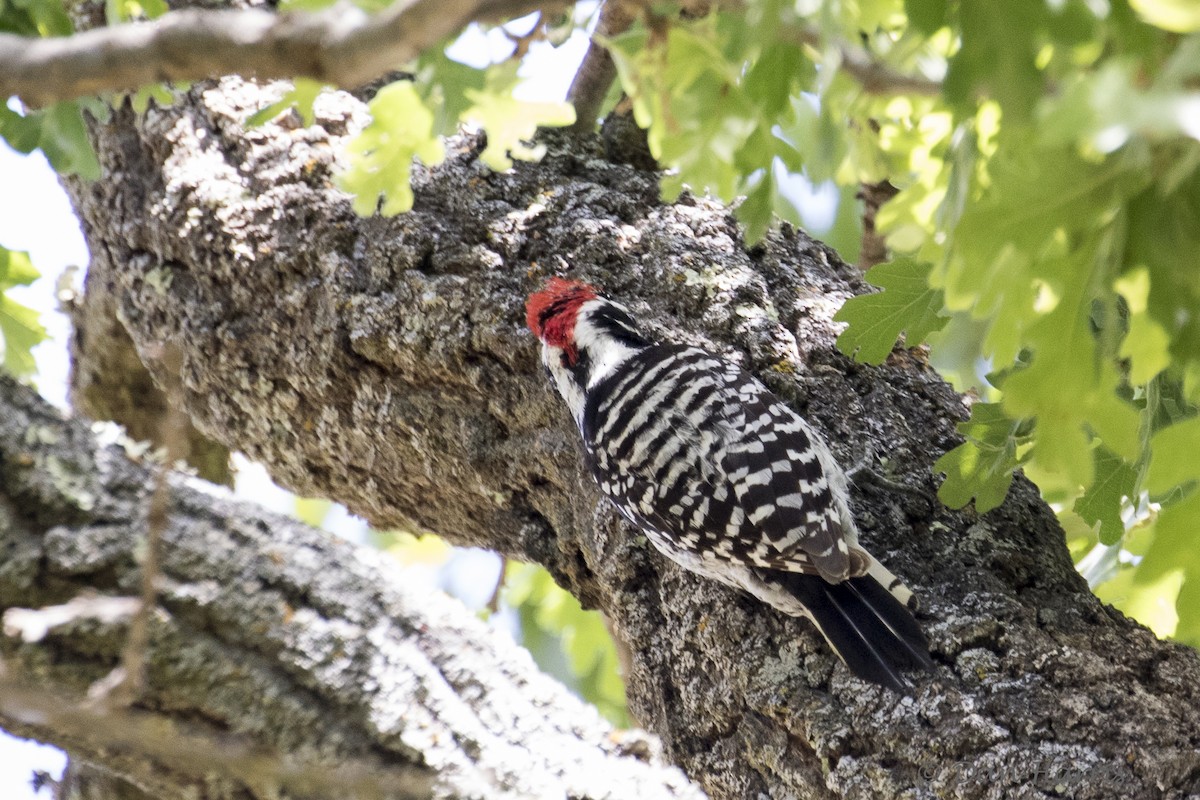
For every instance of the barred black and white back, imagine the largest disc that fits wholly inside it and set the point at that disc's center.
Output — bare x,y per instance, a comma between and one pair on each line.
723,477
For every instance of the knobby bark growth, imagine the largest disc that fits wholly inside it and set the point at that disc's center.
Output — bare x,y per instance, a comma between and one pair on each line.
383,363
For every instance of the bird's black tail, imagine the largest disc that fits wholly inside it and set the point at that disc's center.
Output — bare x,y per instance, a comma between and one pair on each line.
866,626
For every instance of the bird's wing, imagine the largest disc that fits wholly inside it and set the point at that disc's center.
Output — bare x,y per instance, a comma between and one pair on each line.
770,458
745,487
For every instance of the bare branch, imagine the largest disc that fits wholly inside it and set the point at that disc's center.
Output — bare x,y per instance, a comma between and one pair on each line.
341,45
597,71
32,624
873,75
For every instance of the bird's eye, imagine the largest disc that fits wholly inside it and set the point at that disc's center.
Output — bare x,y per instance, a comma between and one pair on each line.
564,358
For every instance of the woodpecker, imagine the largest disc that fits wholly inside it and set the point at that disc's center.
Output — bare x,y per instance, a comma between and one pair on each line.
723,478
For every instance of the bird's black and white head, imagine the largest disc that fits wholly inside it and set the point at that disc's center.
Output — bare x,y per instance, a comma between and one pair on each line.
584,336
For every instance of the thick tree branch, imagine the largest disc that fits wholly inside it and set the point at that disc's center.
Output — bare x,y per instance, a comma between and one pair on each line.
276,656
383,362
341,45
195,752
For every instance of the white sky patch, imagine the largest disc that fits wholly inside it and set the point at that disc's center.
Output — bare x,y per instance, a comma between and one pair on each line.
36,216
546,72
18,760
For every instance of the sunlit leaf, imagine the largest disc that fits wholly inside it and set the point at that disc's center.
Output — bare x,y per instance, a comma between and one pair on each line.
1187,609
401,129
16,269
1176,456
410,549
511,123
1146,344
21,331
905,306
982,467
301,96
1181,16
1151,601
1101,503
312,511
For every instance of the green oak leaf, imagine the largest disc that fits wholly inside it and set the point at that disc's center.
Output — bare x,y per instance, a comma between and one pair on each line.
1174,459
21,331
302,95
906,305
982,467
65,142
400,130
510,123
1114,479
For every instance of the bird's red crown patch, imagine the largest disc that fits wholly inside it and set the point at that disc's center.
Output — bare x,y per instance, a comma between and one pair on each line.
551,313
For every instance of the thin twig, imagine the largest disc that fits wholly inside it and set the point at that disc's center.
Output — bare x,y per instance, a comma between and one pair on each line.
522,42
132,681
874,244
493,603
874,76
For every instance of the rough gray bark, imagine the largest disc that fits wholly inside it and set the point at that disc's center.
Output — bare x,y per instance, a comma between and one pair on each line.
109,382
383,363
270,638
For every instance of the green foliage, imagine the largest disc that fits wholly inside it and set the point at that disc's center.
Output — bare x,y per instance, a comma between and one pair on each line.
1047,154
905,306
509,122
1181,16
312,511
20,329
721,126
409,117
301,96
34,18
982,467
58,131
118,11
401,129
445,85
566,641
1101,504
